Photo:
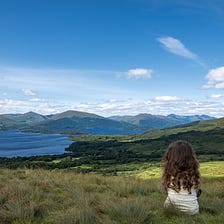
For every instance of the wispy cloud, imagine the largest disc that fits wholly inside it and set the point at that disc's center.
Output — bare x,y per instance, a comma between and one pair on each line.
166,98
64,86
136,73
57,83
36,99
175,46
215,79
216,96
28,92
3,94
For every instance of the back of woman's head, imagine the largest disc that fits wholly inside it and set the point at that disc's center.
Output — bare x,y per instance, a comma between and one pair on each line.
180,166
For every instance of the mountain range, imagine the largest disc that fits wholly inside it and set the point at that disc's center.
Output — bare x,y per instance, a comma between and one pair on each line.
160,121
82,122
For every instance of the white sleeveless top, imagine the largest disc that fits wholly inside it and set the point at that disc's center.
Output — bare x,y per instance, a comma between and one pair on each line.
183,201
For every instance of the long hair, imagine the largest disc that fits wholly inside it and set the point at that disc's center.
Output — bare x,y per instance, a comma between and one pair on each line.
180,167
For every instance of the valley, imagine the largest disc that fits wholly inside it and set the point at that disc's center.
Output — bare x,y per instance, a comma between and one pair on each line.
113,153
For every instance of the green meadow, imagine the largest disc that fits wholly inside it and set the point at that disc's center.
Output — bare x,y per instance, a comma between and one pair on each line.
207,170
63,196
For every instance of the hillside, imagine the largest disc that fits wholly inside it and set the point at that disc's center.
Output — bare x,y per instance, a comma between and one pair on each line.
67,197
6,123
201,126
74,114
159,121
27,118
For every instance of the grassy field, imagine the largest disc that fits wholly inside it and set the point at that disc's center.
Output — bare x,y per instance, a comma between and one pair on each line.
134,197
207,170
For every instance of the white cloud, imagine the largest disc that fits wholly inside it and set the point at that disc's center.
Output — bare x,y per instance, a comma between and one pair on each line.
175,46
166,98
22,106
28,92
136,73
133,107
215,79
118,107
139,73
216,96
61,90
9,105
37,99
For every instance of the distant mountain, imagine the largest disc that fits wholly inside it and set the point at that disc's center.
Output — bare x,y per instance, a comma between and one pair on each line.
81,121
160,121
64,122
188,119
27,118
6,123
74,114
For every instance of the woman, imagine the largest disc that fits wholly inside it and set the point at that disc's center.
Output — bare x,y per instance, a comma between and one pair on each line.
181,177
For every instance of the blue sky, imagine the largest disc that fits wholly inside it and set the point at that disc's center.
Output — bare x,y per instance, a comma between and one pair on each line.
112,57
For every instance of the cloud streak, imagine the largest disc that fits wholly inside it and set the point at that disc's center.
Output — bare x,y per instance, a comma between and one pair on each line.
28,92
176,47
216,96
166,98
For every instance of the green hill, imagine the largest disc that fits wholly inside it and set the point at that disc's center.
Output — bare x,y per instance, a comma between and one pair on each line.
160,121
202,125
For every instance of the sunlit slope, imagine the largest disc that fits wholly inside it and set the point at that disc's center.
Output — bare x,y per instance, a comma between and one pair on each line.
203,126
207,169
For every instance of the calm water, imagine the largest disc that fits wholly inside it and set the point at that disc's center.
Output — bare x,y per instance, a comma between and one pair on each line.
17,143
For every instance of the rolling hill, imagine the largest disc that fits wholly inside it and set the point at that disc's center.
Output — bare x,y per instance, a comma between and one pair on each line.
27,118
160,121
6,123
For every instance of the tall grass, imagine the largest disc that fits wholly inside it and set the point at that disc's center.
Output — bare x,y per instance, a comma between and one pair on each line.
65,197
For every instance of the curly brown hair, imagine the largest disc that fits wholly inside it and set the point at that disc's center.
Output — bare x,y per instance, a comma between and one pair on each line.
180,167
